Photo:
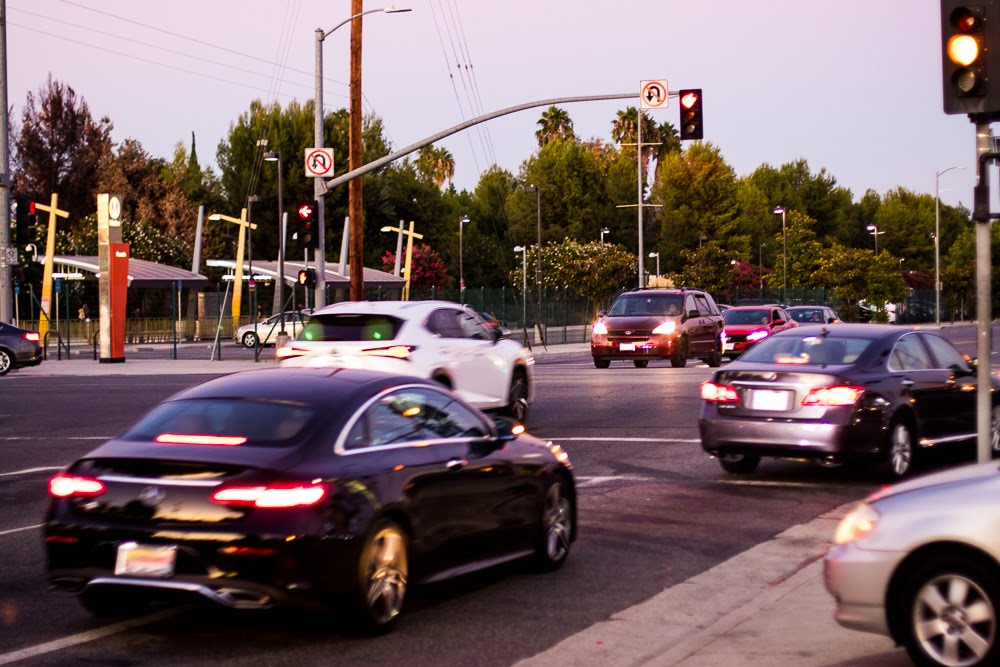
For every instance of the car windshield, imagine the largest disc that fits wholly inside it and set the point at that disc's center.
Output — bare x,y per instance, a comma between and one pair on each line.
806,315
351,327
807,350
756,316
643,305
248,422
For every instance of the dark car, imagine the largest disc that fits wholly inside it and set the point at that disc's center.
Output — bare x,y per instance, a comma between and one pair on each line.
673,324
328,487
745,326
833,393
18,347
813,314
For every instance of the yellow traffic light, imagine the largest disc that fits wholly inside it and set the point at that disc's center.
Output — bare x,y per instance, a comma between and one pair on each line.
963,50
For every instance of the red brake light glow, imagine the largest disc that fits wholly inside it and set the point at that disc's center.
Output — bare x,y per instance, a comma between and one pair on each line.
32,336
719,393
65,486
303,494
394,351
833,396
211,440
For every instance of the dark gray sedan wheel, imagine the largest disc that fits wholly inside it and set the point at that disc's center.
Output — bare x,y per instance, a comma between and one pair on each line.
949,613
899,451
739,464
6,362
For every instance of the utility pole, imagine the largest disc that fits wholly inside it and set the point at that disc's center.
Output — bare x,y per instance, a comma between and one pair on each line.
5,246
355,160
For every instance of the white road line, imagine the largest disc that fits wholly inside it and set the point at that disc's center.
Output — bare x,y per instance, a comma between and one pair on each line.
18,530
616,439
602,479
14,438
764,482
28,471
89,636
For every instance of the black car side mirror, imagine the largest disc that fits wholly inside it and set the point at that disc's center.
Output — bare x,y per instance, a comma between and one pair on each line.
507,429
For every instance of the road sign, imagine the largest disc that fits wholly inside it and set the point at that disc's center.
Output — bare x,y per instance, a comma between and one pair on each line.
115,208
319,162
653,94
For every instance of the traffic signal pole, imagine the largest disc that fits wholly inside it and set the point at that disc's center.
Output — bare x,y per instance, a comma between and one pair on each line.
984,314
5,244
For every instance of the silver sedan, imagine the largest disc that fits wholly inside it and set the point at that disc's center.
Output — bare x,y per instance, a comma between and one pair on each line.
920,562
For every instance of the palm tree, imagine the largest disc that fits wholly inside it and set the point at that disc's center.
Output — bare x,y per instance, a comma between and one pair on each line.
436,164
623,132
670,141
555,123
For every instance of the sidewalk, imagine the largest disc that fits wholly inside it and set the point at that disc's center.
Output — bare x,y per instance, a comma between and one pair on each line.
764,607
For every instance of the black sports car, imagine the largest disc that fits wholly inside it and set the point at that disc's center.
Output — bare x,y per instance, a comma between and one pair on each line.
836,392
326,487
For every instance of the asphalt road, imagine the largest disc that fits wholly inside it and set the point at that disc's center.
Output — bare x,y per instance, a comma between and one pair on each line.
654,511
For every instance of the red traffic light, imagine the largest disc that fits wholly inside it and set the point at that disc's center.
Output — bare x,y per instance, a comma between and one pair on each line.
31,208
966,19
305,211
690,99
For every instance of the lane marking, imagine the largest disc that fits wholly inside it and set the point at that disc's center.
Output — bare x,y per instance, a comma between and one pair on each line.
89,636
18,530
14,438
602,479
764,482
558,439
28,471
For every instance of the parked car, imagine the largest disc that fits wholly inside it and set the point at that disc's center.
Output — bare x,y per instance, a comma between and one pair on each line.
267,331
813,314
745,326
18,347
304,487
918,562
437,340
835,393
646,324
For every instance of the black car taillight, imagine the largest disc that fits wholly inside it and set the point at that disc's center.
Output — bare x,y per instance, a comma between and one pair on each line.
278,495
69,486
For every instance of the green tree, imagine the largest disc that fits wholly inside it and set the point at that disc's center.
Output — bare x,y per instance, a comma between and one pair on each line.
555,123
427,269
905,221
854,274
436,165
61,149
594,270
709,267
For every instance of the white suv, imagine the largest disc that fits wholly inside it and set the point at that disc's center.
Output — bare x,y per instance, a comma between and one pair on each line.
439,340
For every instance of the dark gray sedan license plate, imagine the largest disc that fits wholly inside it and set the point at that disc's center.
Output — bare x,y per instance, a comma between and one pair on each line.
771,400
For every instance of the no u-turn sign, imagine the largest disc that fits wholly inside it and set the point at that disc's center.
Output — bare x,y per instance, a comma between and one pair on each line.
653,94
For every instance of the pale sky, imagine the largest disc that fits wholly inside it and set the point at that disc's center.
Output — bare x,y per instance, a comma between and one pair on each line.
850,85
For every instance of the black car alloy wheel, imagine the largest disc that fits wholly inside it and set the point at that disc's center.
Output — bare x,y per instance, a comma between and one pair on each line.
899,450
557,527
383,573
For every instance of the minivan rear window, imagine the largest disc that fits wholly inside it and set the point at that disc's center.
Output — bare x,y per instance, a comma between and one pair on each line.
351,327
258,422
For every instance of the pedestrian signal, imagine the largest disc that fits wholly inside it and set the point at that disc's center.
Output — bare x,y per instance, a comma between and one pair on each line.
307,277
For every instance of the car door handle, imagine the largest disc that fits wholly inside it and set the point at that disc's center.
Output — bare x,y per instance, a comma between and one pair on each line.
906,383
456,464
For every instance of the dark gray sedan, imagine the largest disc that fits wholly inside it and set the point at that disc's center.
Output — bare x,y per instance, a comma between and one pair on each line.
18,347
835,392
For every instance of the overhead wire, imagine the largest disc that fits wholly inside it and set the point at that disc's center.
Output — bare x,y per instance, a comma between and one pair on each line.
471,74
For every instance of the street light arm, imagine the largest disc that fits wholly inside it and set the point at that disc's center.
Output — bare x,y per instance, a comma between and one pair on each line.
349,19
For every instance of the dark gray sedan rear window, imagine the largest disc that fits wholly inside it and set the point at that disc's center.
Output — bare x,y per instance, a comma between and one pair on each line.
807,350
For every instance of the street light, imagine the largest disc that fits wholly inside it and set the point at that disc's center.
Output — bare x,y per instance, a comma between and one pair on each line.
784,255
760,268
657,256
524,285
461,269
279,289
873,230
356,233
937,244
604,230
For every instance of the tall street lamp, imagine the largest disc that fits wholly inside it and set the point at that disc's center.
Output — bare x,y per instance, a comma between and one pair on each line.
937,244
760,268
357,270
604,230
524,285
873,230
461,269
279,288
784,255
538,263
657,256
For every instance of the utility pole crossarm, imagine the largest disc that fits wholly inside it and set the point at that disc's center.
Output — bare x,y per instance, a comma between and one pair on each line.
381,162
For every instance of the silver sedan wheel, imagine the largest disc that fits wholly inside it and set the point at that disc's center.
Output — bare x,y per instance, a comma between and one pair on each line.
558,523
900,450
385,571
954,620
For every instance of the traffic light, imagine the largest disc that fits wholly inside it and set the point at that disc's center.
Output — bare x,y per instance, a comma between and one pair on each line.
305,215
691,125
307,277
967,57
24,217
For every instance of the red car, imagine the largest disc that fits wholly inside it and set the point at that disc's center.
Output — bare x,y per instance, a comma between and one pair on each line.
745,326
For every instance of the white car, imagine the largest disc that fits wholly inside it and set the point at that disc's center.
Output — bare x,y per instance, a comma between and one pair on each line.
267,331
920,562
438,340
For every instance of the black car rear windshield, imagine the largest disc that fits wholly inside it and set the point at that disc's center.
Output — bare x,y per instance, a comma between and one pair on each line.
807,350
224,421
641,305
351,327
756,316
